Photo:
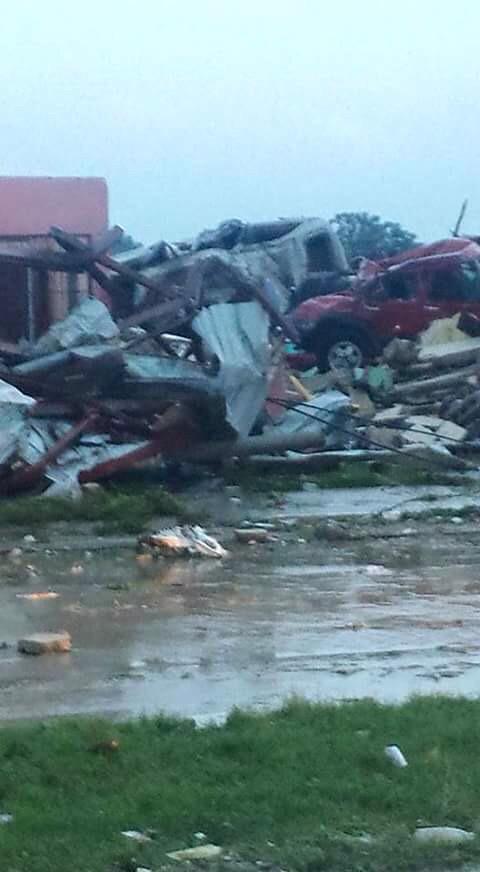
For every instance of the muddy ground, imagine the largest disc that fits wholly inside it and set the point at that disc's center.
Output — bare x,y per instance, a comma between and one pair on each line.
325,610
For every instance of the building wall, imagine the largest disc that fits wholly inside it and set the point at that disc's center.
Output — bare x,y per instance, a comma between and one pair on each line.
33,299
30,299
30,206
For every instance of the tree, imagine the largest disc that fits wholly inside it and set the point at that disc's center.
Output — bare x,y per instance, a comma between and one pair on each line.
365,235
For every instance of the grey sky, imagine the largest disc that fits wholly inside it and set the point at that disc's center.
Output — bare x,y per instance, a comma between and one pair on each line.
201,110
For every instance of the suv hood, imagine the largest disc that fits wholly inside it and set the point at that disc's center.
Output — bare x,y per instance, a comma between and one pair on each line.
311,310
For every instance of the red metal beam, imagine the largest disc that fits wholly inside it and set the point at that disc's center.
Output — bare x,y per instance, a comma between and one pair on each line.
32,473
175,430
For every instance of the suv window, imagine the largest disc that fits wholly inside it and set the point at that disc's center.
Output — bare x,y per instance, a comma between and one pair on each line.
461,285
319,253
398,286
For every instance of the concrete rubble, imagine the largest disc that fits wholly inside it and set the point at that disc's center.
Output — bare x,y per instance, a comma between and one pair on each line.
179,355
45,643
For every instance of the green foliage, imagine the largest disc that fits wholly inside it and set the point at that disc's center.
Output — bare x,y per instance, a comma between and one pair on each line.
365,235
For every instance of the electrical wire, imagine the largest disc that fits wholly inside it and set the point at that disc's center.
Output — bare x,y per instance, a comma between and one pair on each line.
371,442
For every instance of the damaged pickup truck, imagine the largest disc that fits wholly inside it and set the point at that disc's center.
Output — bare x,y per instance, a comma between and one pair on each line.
397,297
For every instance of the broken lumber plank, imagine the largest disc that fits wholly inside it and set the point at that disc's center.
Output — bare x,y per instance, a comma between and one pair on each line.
171,313
100,257
103,243
57,261
323,459
428,385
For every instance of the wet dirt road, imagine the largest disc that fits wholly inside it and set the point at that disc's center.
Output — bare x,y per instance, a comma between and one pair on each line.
375,617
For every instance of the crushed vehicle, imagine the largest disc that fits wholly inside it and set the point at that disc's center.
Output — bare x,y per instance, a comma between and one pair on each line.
397,297
303,257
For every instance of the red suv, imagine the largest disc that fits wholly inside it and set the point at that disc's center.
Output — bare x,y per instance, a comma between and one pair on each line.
400,296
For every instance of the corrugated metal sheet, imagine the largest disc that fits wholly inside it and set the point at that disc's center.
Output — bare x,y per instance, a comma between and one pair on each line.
238,336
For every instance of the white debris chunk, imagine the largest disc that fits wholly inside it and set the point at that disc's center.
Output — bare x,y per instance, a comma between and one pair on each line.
450,835
136,836
394,754
202,852
184,542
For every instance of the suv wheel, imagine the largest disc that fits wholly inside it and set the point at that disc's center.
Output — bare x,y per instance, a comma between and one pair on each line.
342,347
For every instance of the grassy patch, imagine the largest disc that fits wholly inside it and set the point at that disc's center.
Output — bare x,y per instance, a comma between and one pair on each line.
296,788
118,510
375,474
439,514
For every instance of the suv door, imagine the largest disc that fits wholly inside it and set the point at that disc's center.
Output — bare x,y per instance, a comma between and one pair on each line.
394,305
453,289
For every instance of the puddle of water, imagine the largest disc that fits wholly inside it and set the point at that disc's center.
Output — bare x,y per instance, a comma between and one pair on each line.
196,638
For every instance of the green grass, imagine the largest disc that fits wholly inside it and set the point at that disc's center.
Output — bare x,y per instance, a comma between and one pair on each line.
127,508
439,514
295,788
361,474
116,509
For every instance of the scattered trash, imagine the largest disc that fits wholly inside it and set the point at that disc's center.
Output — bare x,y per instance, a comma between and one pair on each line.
252,535
200,837
201,852
29,539
106,747
392,515
77,569
183,542
15,553
136,836
32,570
394,754
450,835
375,569
45,643
6,818
43,595
92,487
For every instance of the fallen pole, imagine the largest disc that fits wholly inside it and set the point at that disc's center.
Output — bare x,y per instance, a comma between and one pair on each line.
428,385
266,444
324,459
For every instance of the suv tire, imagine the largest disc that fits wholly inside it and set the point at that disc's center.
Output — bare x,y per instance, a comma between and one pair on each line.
342,345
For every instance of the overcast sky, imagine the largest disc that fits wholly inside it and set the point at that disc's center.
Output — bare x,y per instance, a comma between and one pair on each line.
201,110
